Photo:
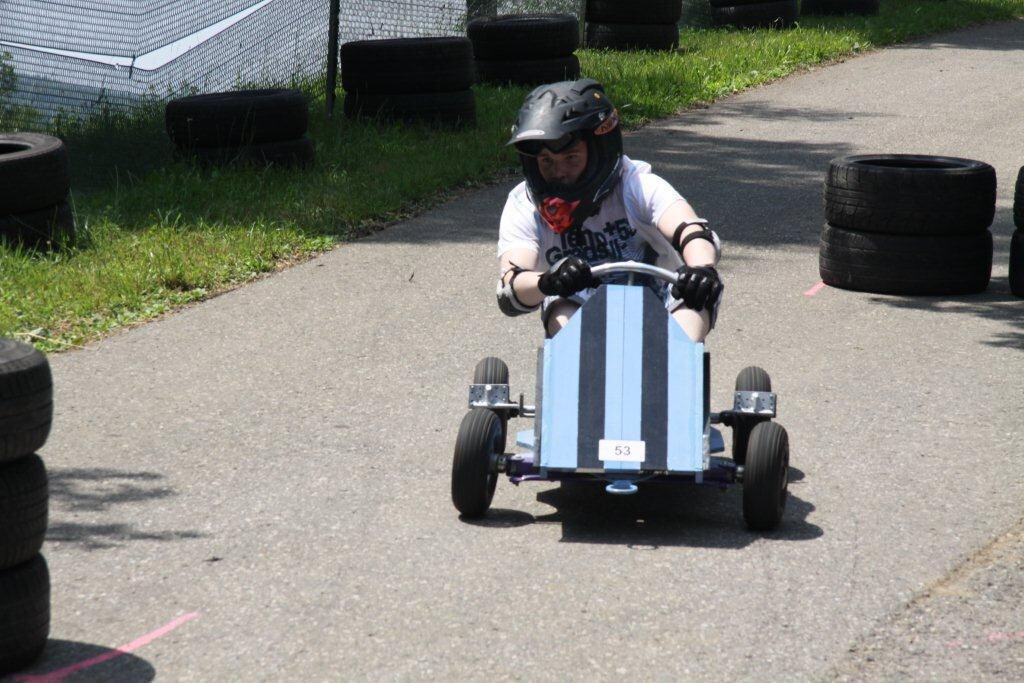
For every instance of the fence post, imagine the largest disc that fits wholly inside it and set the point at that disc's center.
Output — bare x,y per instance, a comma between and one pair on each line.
332,56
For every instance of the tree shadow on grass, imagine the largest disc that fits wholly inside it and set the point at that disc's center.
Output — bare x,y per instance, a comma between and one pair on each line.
659,515
103,665
92,491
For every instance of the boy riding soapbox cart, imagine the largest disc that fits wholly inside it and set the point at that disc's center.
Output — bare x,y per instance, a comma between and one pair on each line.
623,397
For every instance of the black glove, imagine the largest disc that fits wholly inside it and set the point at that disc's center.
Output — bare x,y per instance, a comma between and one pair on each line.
566,277
698,287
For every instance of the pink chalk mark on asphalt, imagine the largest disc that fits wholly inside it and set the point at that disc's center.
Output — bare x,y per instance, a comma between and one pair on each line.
815,289
59,674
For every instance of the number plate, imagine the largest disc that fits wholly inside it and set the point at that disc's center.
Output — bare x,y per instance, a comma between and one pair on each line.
620,451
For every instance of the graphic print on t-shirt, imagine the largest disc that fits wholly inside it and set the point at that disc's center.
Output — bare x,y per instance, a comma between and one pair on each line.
610,244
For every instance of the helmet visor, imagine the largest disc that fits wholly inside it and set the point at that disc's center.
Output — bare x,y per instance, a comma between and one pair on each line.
535,147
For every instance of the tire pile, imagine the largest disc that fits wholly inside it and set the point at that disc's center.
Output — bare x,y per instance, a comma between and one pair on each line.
410,80
525,49
755,13
633,24
26,413
908,224
35,184
258,127
1017,241
839,7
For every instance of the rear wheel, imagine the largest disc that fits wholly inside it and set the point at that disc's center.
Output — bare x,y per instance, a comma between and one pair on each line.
480,438
766,476
750,378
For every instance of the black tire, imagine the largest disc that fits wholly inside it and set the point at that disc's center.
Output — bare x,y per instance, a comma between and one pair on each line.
514,37
604,36
733,3
910,194
1017,262
24,507
839,7
766,477
24,614
781,14
529,72
407,65
751,378
235,118
1018,200
26,399
34,172
627,11
473,480
492,370
905,264
50,227
447,108
286,153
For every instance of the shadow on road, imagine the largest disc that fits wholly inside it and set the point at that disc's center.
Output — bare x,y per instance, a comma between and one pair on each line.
997,303
76,490
659,515
109,665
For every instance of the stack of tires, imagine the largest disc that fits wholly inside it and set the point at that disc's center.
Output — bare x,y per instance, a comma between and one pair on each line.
525,49
908,224
259,127
1017,241
633,24
410,80
35,184
839,7
755,13
26,412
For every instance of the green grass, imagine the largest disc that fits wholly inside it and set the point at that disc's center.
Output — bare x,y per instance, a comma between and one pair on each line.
156,234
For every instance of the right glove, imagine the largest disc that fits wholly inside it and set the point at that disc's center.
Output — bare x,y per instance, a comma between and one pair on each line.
566,277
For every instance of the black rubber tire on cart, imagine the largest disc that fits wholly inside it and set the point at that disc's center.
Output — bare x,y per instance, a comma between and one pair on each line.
49,227
826,7
24,509
528,71
766,477
779,14
284,153
24,613
456,109
237,117
407,65
910,194
750,378
605,36
493,370
905,264
473,478
26,399
34,172
524,36
627,11
1018,200
1017,263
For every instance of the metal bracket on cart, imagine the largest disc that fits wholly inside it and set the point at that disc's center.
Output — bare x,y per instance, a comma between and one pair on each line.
496,397
756,404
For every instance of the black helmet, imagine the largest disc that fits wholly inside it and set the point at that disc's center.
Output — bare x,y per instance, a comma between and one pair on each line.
556,116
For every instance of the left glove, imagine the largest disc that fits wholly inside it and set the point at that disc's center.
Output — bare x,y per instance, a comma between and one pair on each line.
698,286
566,277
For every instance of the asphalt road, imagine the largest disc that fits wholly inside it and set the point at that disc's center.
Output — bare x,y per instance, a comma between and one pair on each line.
266,474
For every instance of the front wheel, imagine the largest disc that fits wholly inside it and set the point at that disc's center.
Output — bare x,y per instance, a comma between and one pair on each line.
480,438
766,476
493,370
751,378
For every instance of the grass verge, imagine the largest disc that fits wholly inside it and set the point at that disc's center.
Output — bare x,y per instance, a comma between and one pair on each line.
156,234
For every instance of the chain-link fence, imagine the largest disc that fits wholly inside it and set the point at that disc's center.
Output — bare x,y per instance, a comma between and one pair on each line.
77,58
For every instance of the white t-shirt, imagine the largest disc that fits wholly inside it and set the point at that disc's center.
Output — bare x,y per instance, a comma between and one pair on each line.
623,229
